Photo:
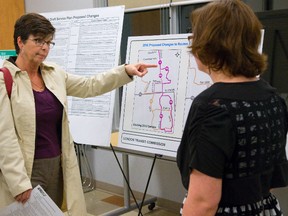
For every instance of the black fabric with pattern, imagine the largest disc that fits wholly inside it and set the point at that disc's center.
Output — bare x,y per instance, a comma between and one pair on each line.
237,132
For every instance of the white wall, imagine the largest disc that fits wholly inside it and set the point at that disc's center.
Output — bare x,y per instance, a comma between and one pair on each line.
165,179
41,6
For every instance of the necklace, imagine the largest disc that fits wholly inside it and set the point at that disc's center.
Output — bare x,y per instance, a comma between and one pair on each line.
40,87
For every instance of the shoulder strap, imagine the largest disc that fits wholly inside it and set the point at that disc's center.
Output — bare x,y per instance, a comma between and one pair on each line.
8,80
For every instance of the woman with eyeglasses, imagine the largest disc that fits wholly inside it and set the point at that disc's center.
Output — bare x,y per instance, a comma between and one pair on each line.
44,153
232,152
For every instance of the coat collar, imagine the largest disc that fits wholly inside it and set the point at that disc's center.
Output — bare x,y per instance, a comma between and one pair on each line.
11,65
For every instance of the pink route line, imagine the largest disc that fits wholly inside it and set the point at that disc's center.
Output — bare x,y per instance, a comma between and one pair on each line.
162,94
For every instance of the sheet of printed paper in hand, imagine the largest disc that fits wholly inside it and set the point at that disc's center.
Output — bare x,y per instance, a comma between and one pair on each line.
39,204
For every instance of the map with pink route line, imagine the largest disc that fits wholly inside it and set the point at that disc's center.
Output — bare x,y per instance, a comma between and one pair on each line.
155,93
155,107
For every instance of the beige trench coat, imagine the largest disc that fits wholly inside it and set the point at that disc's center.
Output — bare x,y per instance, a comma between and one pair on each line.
14,175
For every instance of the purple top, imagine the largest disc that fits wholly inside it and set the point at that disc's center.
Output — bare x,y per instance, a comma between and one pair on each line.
48,124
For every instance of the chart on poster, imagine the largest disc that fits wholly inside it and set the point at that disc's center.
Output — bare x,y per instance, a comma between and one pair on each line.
88,42
155,107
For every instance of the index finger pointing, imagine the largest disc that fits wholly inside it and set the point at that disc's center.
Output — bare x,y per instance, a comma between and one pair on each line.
150,65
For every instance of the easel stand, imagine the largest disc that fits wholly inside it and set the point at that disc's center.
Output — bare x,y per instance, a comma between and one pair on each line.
88,181
127,189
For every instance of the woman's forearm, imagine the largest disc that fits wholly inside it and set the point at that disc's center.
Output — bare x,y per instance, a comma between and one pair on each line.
198,208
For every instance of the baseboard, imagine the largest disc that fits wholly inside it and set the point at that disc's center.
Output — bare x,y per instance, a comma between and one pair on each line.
161,202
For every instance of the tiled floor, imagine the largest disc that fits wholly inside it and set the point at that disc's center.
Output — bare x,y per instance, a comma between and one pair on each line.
100,202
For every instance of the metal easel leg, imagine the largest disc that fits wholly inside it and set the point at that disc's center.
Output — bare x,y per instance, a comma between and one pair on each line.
84,166
127,190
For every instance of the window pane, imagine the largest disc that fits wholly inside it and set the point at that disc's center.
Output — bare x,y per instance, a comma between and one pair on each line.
185,11
152,22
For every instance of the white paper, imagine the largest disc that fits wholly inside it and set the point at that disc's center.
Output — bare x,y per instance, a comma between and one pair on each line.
87,43
39,204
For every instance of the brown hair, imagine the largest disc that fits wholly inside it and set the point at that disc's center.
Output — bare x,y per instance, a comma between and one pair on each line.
32,24
226,36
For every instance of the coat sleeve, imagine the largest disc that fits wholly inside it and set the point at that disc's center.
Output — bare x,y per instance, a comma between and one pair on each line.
98,84
12,165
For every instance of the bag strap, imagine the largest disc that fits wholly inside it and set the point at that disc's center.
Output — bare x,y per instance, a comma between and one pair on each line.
8,80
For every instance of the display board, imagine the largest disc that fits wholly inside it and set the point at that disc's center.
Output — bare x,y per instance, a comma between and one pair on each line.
88,42
155,107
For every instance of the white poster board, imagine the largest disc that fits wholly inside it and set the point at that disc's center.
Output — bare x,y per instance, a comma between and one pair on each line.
155,107
87,43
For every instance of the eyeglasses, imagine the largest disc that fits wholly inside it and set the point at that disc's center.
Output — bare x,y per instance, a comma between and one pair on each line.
39,42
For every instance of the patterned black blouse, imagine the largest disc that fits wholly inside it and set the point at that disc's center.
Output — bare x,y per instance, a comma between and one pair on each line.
237,132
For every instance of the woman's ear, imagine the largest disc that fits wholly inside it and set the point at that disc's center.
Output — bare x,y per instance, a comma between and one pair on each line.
20,42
